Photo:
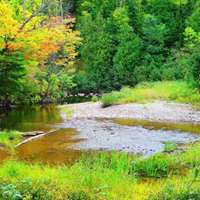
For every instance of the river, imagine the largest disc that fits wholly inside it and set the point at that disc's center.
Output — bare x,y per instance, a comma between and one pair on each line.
70,138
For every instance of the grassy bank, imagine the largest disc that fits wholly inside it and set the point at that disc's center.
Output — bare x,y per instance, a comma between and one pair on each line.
106,177
9,139
178,91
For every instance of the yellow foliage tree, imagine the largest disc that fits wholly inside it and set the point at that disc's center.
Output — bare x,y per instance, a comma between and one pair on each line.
8,25
37,36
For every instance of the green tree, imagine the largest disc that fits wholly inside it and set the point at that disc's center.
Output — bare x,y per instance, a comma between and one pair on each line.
136,14
127,50
12,71
154,36
97,51
192,55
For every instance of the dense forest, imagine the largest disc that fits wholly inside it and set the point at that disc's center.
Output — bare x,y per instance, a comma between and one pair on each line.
52,48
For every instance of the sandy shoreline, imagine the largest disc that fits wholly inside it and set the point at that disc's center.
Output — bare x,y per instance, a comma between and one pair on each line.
155,111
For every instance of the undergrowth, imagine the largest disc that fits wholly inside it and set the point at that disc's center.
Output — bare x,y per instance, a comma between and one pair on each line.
106,176
8,139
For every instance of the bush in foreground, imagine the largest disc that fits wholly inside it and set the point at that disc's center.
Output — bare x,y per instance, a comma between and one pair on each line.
186,190
169,193
105,177
156,166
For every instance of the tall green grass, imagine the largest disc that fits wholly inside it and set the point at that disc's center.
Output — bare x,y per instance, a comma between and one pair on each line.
113,176
188,189
10,138
171,91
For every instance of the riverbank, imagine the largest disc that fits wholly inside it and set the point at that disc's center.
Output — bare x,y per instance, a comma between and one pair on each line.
135,128
173,101
171,174
106,177
153,111
176,91
9,139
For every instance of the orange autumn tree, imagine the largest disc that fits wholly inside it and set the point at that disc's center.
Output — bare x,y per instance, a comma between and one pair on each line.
39,38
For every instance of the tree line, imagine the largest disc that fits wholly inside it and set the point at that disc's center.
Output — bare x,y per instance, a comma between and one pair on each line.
127,42
37,49
52,48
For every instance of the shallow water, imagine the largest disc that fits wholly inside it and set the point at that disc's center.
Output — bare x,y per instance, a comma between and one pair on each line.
76,136
51,148
30,118
107,135
181,127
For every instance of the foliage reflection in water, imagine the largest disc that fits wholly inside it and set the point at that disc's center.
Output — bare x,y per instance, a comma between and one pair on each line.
52,148
182,127
30,118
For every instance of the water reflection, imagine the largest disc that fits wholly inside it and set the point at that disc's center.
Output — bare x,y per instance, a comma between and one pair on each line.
52,148
30,118
3,155
182,127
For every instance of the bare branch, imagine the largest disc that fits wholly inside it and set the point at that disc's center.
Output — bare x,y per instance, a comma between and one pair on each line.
36,13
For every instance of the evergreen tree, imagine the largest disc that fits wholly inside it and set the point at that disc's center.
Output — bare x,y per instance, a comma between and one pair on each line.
128,49
12,71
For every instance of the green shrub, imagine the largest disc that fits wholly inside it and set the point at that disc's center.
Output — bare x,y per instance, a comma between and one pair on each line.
10,139
110,99
170,147
169,90
105,176
95,99
191,157
24,189
170,192
9,192
188,190
156,166
79,196
83,84
118,162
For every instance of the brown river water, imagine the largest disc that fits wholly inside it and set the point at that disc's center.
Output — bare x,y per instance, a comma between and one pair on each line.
75,137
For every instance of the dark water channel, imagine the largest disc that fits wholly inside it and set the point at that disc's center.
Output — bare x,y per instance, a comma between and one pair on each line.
74,137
